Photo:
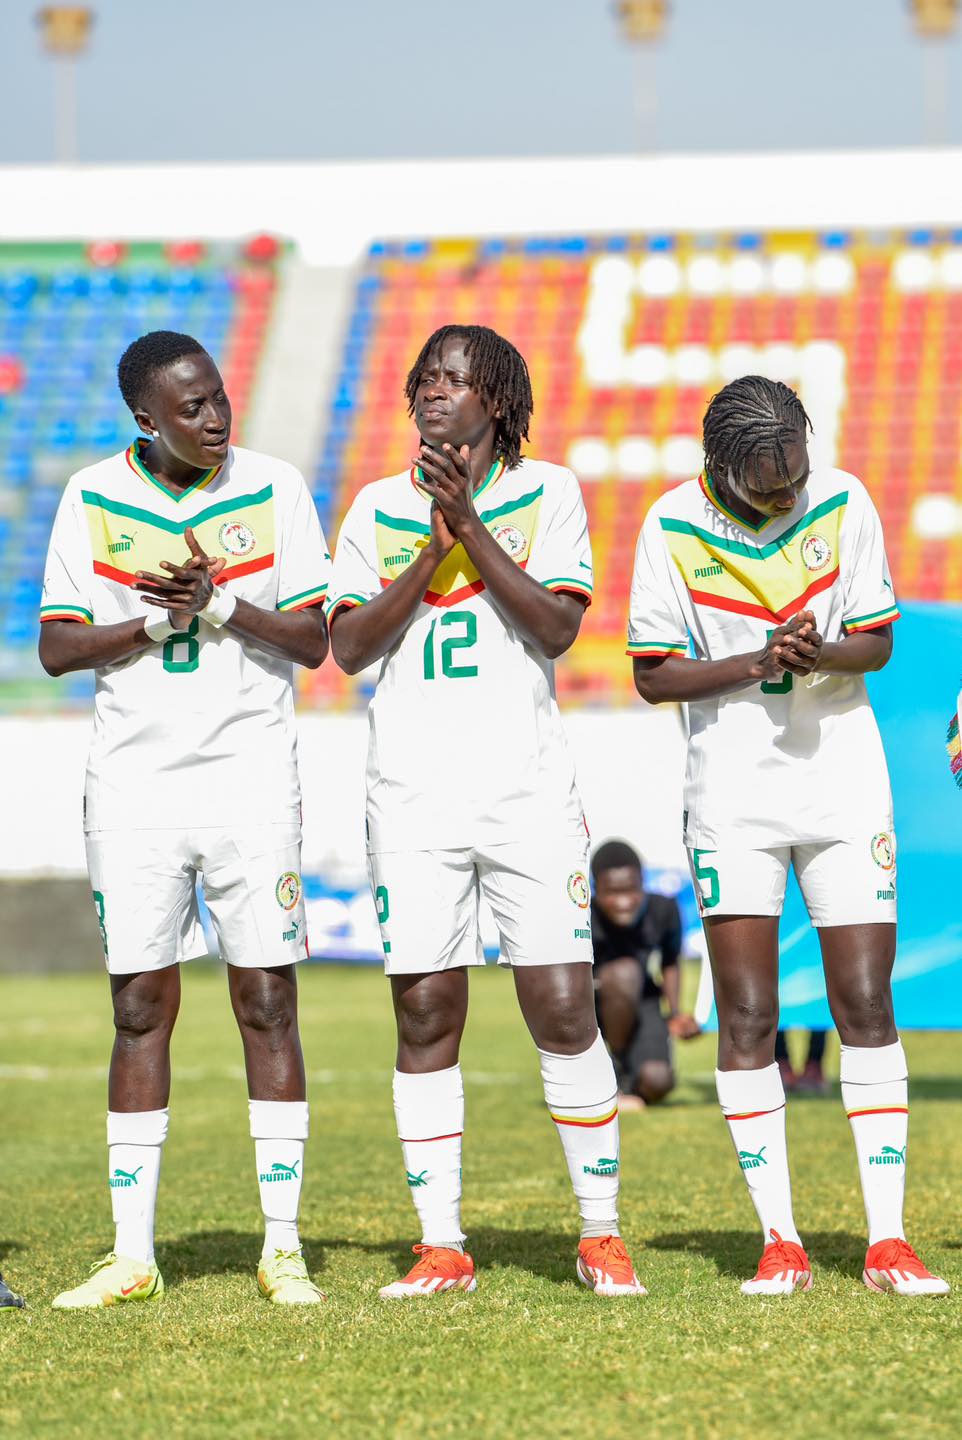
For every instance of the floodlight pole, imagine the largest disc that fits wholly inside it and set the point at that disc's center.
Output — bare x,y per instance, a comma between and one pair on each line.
66,34
935,21
65,109
642,25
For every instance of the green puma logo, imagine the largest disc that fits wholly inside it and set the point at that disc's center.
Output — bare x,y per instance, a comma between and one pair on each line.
416,1180
123,1179
124,544
889,1156
749,1161
401,558
602,1167
281,1172
291,934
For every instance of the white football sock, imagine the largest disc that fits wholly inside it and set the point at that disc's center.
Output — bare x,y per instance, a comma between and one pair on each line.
582,1097
429,1110
134,1142
875,1093
279,1129
753,1103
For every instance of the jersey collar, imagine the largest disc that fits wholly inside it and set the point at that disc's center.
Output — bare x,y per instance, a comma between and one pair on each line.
708,487
134,458
487,484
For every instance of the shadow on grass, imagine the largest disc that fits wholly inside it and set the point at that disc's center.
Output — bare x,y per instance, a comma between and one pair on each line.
214,1252
232,1252
736,1252
8,1247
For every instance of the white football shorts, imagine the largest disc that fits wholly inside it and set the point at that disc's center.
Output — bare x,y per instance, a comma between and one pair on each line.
538,891
843,882
144,887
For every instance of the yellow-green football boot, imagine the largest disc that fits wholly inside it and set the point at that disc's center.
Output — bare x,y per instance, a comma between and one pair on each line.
283,1278
114,1280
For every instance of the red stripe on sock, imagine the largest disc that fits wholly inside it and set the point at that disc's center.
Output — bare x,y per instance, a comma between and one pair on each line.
882,1110
455,1135
754,1114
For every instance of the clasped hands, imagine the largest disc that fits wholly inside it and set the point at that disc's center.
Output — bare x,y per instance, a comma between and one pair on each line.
186,589
794,646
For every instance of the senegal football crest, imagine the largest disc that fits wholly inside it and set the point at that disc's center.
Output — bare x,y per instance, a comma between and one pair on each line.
236,538
512,540
816,552
288,890
883,850
579,892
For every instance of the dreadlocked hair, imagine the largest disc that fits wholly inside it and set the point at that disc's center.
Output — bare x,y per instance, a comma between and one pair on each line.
499,375
144,357
750,418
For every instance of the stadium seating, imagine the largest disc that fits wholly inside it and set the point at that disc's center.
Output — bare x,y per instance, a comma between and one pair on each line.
66,314
627,338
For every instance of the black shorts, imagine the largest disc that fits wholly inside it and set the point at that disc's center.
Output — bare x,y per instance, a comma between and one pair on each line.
650,1041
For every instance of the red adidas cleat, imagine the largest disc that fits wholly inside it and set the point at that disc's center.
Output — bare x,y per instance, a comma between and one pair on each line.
893,1265
605,1267
783,1268
438,1269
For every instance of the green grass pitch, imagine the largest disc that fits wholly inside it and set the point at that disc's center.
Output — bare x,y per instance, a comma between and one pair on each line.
531,1353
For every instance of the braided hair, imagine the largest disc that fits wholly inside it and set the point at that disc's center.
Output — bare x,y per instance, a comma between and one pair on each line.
751,417
499,375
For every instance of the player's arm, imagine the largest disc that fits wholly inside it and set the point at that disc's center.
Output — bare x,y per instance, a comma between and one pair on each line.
365,633
547,620
67,645
854,654
188,590
676,677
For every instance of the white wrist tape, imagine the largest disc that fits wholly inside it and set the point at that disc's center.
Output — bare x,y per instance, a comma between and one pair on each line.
219,608
158,627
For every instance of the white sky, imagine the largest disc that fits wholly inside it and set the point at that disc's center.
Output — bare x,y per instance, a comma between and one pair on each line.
311,79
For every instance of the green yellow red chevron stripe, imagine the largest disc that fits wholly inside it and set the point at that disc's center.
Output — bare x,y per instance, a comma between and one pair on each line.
66,612
769,581
487,484
571,585
134,459
399,540
347,601
127,538
708,487
314,596
657,648
873,621
586,1122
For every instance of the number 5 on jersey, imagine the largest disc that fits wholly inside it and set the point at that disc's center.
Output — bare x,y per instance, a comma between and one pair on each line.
454,620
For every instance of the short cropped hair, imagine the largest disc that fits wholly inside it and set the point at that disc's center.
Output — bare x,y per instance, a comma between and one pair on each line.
615,855
144,357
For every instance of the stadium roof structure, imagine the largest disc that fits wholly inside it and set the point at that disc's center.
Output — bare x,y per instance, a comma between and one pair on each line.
333,211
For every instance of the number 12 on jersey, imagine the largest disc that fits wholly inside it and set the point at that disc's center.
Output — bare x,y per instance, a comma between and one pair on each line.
464,627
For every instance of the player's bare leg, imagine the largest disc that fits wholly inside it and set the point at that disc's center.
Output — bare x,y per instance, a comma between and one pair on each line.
744,958
265,1006
145,1010
655,1080
431,1010
858,961
618,992
581,1092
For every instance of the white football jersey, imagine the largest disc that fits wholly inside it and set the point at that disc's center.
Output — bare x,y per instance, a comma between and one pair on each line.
198,729
797,759
466,742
